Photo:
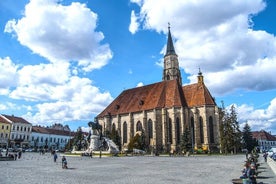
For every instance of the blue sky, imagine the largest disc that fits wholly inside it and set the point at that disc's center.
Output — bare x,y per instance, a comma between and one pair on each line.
65,61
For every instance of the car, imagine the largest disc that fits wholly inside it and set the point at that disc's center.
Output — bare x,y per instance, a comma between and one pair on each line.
271,151
29,150
273,156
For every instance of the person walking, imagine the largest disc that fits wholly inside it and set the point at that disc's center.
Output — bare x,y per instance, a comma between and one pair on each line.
64,163
55,157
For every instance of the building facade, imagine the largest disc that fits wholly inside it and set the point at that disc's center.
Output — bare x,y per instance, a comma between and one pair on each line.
163,110
265,140
20,131
55,137
5,129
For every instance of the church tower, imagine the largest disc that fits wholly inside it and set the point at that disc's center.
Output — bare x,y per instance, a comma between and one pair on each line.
171,65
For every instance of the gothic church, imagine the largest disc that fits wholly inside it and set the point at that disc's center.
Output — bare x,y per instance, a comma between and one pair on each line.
163,110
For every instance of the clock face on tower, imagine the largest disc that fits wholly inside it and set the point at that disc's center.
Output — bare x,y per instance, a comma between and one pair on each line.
168,63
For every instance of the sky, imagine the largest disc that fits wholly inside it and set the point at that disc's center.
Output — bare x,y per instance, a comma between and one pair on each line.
64,61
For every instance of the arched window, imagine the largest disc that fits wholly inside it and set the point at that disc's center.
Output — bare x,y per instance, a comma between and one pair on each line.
193,129
168,77
113,126
170,131
211,129
124,132
150,131
177,131
201,130
138,126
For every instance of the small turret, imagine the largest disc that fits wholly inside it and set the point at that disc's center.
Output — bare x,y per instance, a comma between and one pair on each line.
200,77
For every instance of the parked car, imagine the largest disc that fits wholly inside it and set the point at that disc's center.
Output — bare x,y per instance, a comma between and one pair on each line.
273,156
271,151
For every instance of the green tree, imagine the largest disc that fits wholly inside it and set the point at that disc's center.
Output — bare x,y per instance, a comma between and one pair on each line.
78,139
186,141
137,142
114,136
248,141
230,135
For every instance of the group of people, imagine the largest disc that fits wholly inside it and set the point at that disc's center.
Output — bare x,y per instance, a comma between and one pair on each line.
63,160
249,172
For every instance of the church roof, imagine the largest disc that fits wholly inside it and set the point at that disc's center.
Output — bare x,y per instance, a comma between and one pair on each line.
197,95
159,95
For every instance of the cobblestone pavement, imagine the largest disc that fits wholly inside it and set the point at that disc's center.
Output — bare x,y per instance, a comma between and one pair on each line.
35,169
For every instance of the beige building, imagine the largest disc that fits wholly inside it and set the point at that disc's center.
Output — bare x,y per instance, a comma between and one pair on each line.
5,129
20,131
163,110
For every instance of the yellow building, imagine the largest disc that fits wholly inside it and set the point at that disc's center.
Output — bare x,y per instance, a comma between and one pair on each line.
5,129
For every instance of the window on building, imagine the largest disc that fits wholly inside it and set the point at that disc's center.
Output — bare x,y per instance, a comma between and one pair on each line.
12,136
25,129
32,138
7,135
113,128
13,127
170,131
124,132
193,130
3,127
150,131
1,135
201,133
50,139
21,129
7,127
138,126
177,130
211,129
17,128
41,139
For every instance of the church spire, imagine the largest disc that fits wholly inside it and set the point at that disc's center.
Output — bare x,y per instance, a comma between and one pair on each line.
170,47
171,66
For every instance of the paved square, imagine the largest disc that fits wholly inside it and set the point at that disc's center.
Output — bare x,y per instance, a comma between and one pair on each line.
34,168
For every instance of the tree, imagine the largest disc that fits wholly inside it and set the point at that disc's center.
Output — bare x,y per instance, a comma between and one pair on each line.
78,139
137,142
114,136
230,135
186,141
248,141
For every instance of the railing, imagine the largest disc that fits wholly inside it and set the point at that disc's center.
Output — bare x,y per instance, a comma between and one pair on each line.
272,164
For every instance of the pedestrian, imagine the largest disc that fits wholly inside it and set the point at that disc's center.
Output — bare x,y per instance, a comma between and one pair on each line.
265,156
245,173
64,163
252,174
55,157
19,154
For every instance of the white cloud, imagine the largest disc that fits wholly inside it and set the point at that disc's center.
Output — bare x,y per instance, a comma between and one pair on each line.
133,27
76,100
61,33
258,118
140,84
8,75
218,39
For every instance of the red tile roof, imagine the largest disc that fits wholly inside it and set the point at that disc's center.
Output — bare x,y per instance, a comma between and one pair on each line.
15,119
3,120
44,130
159,95
263,135
197,95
